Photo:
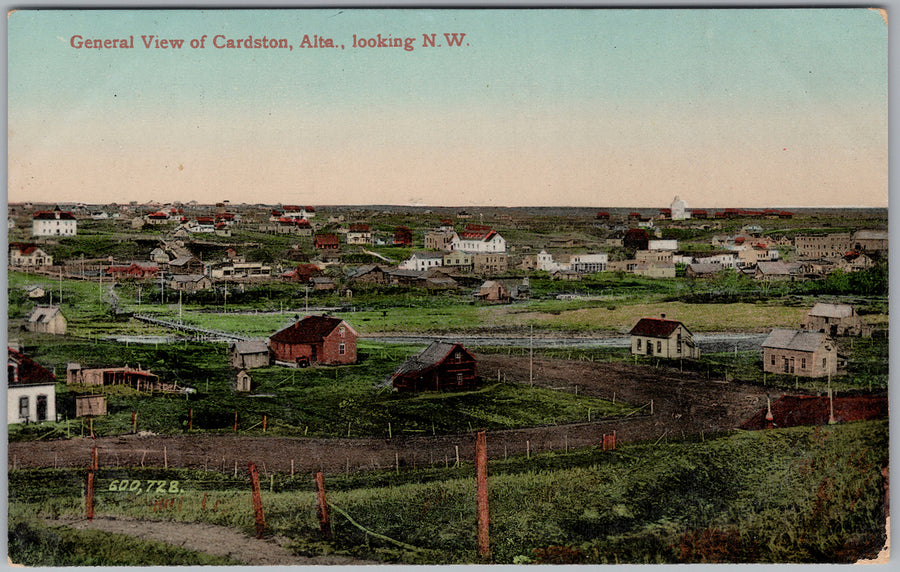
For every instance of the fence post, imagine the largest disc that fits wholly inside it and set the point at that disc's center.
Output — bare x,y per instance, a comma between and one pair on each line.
133,422
257,501
190,419
235,421
322,507
484,548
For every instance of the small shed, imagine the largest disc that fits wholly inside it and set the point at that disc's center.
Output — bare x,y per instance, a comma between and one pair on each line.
90,405
835,320
440,366
242,381
248,355
46,320
492,291
801,353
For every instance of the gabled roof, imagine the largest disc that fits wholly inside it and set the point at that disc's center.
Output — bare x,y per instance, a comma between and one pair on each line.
794,340
43,314
250,347
187,278
825,310
309,330
428,358
29,371
655,327
777,268
24,249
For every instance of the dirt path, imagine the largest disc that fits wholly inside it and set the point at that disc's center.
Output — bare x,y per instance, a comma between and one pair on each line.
207,538
683,404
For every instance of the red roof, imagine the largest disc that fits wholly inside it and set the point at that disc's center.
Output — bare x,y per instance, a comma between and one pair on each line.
292,208
359,227
158,215
655,327
25,249
29,372
206,219
326,239
309,330
52,215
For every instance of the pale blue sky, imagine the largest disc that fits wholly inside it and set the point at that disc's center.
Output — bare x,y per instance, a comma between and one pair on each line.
542,107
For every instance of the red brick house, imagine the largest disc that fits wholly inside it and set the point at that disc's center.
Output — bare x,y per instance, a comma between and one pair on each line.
302,273
326,242
440,366
402,236
315,339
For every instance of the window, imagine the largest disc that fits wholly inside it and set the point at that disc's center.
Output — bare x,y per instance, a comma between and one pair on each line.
459,379
824,363
639,344
786,366
342,349
773,359
458,357
658,347
792,365
23,407
803,363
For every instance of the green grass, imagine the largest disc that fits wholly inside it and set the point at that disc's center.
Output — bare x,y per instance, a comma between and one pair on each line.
804,494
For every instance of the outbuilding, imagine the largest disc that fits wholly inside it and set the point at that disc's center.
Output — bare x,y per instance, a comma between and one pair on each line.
440,366
249,354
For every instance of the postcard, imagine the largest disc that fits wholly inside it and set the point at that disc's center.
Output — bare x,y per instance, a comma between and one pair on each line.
447,286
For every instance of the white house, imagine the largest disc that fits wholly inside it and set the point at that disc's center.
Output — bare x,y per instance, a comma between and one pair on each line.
545,262
28,255
478,239
422,261
30,390
588,263
54,223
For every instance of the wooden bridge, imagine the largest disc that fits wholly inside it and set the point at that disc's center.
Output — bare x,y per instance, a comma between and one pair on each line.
191,329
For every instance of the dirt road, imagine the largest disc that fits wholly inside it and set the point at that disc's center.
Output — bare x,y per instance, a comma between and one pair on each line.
207,538
683,403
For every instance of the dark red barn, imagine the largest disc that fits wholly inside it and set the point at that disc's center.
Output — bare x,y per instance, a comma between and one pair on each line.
440,366
315,339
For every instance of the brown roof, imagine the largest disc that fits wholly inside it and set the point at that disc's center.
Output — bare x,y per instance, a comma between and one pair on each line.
310,329
655,327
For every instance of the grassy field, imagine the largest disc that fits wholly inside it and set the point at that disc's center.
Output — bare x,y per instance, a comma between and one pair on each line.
317,401
805,494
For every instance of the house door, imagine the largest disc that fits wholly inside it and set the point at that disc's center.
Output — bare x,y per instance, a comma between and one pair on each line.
41,407
649,347
314,357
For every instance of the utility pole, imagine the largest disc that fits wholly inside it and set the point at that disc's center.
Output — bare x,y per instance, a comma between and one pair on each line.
531,356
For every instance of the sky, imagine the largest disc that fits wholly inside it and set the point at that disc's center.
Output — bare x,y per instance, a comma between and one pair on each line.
565,107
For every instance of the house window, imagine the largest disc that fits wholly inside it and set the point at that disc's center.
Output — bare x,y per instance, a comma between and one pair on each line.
792,365
342,349
459,379
458,356
773,359
803,363
23,407
639,344
824,363
786,366
658,347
